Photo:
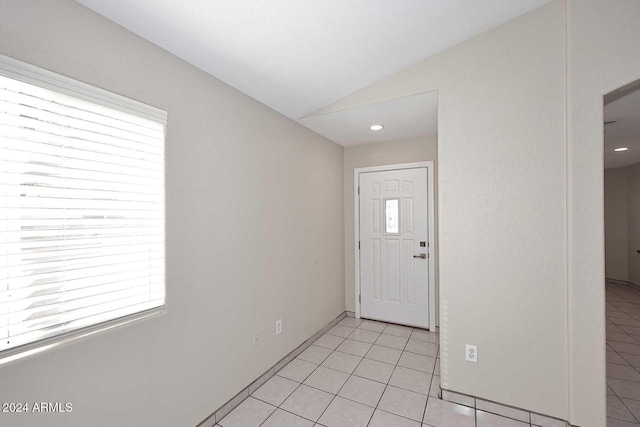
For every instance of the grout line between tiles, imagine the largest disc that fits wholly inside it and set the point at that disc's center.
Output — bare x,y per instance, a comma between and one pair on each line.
215,417
621,304
475,414
352,373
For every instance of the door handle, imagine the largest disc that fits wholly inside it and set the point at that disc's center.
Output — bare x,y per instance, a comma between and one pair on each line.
421,256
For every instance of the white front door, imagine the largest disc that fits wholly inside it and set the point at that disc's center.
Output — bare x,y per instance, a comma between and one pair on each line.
394,264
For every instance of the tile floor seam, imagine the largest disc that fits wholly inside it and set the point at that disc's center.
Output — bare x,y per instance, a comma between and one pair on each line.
355,401
335,407
394,370
398,415
625,405
342,397
311,373
371,416
354,369
293,413
307,343
391,376
386,385
298,415
381,394
475,414
359,376
319,389
407,389
353,374
334,398
621,316
424,412
488,411
284,400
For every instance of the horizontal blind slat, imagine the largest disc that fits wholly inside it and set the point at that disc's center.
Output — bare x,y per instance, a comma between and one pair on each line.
61,124
71,101
31,226
18,173
27,158
81,235
81,210
62,256
61,202
81,264
22,312
46,331
13,104
23,297
113,311
71,242
45,145
39,103
72,324
54,282
23,191
23,128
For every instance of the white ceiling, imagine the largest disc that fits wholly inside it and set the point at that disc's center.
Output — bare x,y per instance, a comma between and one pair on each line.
624,107
297,56
413,116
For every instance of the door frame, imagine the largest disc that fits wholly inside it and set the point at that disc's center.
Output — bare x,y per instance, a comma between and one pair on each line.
429,164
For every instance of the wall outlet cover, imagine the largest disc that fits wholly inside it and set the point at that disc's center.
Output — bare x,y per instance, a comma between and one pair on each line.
471,353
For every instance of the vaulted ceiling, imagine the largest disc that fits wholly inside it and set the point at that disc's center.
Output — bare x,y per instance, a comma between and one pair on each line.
297,56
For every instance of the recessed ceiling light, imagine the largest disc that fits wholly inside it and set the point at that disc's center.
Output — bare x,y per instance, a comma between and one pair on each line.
621,149
376,127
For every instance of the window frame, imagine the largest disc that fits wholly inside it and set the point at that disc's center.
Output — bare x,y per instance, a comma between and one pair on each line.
27,73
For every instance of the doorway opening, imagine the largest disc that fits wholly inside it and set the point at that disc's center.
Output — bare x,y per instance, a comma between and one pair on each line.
394,219
622,252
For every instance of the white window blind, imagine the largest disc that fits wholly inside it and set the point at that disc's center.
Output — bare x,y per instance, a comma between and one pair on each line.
82,238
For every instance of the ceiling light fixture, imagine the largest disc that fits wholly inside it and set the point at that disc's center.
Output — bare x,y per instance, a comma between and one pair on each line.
376,127
621,149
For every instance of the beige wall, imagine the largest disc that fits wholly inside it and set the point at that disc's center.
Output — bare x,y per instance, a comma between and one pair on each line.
377,154
521,200
633,240
502,207
621,224
616,205
603,55
255,232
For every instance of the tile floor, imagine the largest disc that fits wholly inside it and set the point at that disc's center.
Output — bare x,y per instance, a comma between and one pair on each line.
361,373
623,355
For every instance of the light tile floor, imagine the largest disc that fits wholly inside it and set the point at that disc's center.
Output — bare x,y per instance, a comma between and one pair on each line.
623,355
362,373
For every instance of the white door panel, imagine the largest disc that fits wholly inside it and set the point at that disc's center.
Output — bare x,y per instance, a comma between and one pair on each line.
394,283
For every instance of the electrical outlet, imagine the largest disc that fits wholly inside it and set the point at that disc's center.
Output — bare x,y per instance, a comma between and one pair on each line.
471,353
278,326
256,340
